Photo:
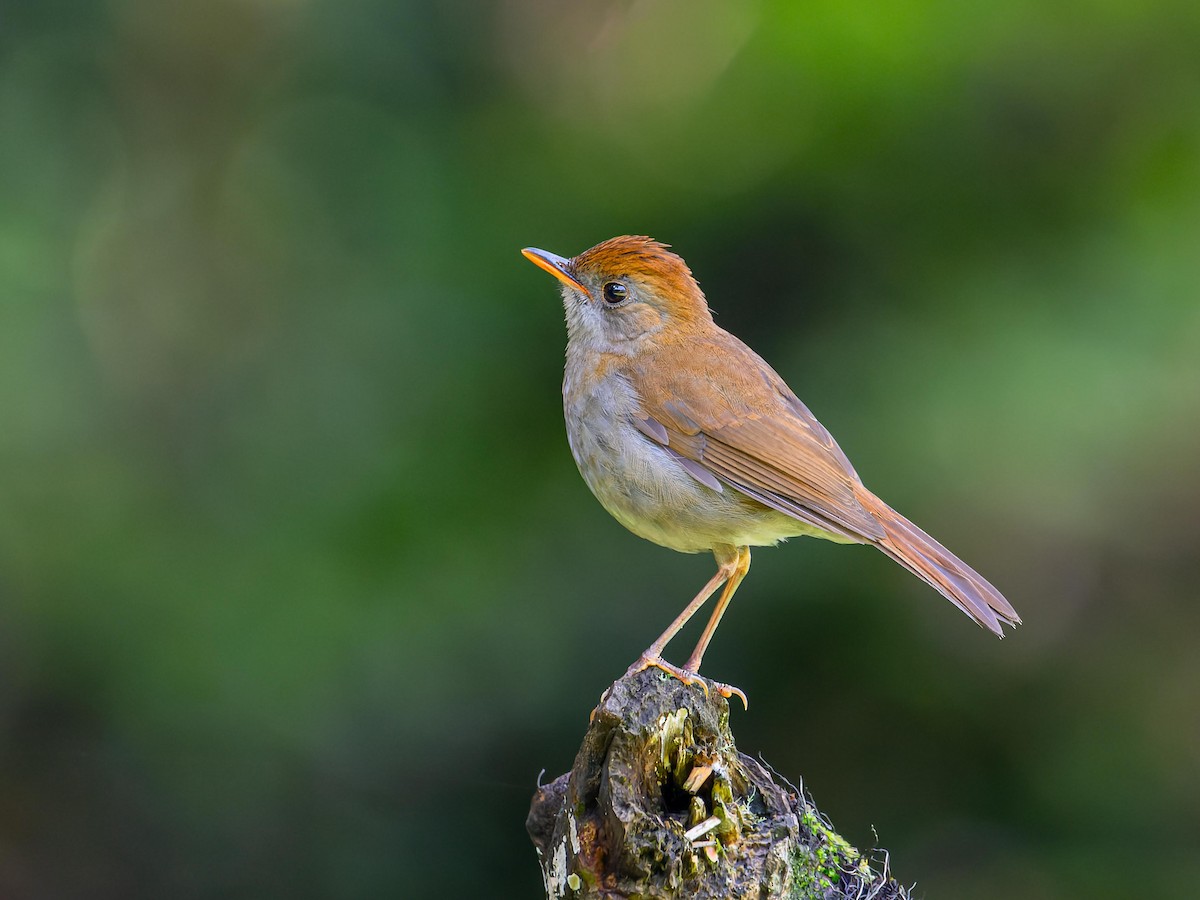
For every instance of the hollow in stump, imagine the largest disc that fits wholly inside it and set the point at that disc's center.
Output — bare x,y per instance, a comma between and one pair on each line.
660,804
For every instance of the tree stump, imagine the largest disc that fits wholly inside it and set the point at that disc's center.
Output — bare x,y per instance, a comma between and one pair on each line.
660,804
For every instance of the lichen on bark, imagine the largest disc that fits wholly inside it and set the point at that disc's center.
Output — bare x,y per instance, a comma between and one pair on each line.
660,804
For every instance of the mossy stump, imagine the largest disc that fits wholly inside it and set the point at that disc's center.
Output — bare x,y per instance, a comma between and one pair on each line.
660,804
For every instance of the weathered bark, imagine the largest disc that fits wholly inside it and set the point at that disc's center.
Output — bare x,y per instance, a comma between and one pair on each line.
659,760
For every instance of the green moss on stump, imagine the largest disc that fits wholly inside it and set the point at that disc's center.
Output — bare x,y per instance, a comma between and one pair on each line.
660,804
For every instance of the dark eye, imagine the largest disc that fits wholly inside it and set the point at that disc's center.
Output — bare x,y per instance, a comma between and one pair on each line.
615,292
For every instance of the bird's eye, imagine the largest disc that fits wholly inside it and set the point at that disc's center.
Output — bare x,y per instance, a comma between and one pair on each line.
615,292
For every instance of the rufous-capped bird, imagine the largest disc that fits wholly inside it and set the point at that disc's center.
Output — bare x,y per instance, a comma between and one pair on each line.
690,440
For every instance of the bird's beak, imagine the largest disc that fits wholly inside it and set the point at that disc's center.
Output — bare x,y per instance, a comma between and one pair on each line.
554,264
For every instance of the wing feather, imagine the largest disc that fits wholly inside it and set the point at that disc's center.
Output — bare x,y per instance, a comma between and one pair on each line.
745,427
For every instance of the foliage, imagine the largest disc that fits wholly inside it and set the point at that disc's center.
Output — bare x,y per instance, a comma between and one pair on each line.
291,546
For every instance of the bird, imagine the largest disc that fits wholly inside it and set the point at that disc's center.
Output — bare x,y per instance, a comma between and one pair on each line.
689,439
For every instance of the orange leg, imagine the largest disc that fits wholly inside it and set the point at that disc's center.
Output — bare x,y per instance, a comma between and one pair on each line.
741,567
731,569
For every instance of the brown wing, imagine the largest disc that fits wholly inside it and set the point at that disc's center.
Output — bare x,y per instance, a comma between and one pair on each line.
739,422
735,417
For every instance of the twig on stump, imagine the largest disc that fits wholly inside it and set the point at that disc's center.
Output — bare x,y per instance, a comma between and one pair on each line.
660,804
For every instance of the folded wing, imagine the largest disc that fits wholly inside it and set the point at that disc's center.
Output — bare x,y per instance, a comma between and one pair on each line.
742,426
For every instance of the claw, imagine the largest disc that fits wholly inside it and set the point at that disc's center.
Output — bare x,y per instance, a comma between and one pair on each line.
728,690
657,662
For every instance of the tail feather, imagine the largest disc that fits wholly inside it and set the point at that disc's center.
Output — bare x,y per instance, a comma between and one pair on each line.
934,564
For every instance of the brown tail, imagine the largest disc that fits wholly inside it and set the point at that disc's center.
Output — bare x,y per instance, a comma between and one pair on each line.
934,564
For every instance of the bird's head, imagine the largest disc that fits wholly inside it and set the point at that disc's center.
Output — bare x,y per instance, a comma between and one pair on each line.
625,290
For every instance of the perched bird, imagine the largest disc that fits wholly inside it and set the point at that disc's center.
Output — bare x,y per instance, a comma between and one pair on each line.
690,440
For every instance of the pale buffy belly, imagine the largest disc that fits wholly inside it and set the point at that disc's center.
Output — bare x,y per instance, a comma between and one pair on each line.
644,488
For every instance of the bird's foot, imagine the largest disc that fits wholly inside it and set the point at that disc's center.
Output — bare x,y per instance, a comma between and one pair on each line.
657,662
728,690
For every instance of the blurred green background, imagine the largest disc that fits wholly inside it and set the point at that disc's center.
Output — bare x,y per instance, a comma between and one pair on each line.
299,587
